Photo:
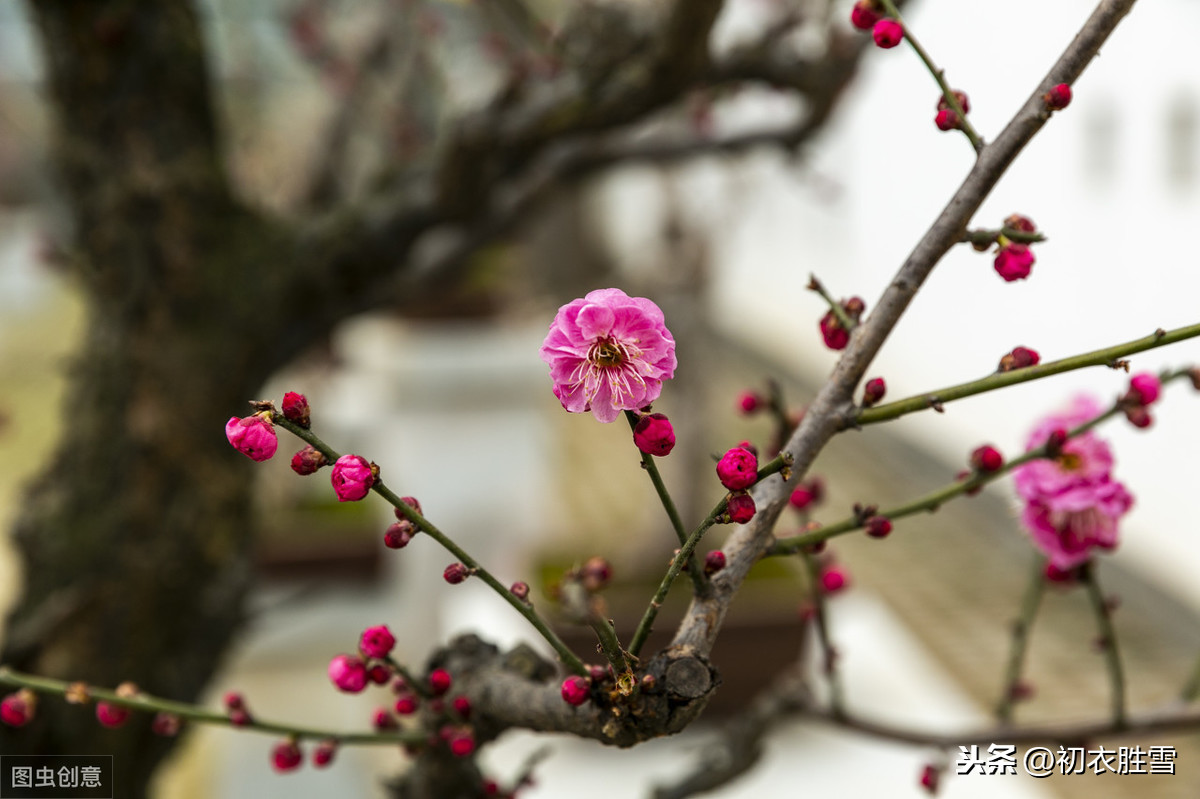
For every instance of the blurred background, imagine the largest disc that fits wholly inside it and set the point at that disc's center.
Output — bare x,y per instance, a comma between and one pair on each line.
453,402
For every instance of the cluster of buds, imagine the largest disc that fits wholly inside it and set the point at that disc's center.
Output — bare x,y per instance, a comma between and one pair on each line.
835,334
401,531
352,673
869,15
738,470
1144,390
1014,260
947,118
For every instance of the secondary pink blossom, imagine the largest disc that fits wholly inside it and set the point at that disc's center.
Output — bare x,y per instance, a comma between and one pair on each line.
1144,388
376,642
737,469
253,436
1072,503
111,716
348,673
17,708
1014,261
575,690
286,756
608,352
352,478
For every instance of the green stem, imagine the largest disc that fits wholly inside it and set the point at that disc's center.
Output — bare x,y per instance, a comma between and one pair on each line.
1108,638
836,307
938,74
420,688
699,581
152,704
1102,357
610,645
828,653
985,238
647,623
569,658
1021,630
928,503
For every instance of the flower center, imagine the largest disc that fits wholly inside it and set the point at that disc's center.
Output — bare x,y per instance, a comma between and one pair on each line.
1070,461
606,352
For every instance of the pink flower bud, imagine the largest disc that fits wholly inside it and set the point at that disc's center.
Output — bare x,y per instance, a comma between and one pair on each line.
654,435
322,756
410,502
1020,222
1058,98
740,508
835,335
833,579
382,720
986,459
406,704
376,642
1144,388
440,681
946,120
1019,358
166,724
455,573
348,673
749,401
887,33
308,460
929,778
461,743
714,561
864,15
575,690
873,391
964,102
595,573
234,701
17,708
398,535
379,674
253,436
286,756
352,478
1138,416
738,469
520,590
461,706
295,409
1014,261
111,716
240,718
878,526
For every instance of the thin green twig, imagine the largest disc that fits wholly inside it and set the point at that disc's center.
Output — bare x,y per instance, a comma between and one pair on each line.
1021,630
153,704
569,658
1102,357
938,74
699,581
1108,639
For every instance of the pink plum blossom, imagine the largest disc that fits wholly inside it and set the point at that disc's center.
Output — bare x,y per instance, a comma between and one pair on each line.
738,469
1072,502
376,642
253,436
608,352
352,478
348,673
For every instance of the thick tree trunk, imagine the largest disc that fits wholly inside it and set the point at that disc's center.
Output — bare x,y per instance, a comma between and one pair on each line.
135,540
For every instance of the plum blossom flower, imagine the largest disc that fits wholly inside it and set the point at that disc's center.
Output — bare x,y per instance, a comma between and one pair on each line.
608,352
253,436
1072,502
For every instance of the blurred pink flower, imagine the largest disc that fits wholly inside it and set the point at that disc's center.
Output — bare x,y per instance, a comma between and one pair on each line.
608,352
1072,503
